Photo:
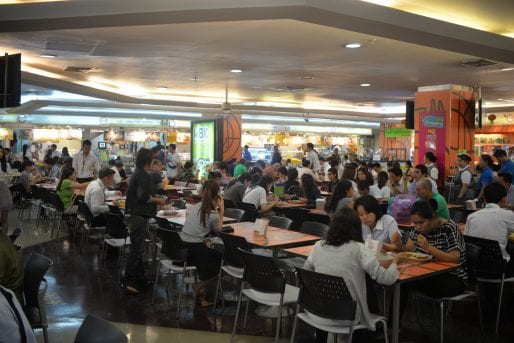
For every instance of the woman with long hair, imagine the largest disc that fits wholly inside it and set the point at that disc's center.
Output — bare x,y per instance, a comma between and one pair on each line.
378,226
66,189
257,192
202,219
236,188
291,186
364,175
349,174
341,198
381,190
343,254
409,170
309,190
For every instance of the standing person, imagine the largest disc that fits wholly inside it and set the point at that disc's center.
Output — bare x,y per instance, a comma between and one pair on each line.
507,166
277,157
85,163
172,163
54,151
486,176
408,171
161,156
34,152
240,168
5,167
65,152
430,160
313,157
463,184
246,154
141,206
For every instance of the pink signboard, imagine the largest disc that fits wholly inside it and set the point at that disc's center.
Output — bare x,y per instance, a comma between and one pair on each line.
432,136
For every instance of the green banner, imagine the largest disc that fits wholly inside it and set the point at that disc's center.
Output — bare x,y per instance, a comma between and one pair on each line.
394,132
202,143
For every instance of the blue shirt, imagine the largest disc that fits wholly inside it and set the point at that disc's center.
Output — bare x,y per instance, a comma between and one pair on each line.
247,156
507,167
486,177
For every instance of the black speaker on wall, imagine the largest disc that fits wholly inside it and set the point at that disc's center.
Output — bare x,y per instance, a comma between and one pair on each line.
409,114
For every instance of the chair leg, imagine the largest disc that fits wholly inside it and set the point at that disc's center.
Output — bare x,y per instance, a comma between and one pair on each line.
441,321
218,284
279,319
155,282
237,312
499,305
295,323
350,334
45,334
384,325
246,313
481,320
181,289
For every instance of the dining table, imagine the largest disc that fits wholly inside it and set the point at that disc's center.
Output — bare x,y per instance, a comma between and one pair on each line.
290,204
409,271
180,217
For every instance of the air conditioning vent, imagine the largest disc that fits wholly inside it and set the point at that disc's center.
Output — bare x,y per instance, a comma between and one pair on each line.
478,63
78,69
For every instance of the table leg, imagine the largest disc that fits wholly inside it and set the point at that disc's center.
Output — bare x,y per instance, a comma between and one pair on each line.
396,313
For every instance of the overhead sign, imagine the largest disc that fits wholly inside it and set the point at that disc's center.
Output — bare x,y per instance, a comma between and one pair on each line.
395,132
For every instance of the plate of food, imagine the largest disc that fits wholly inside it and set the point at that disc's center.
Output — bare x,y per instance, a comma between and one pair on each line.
169,213
415,256
119,203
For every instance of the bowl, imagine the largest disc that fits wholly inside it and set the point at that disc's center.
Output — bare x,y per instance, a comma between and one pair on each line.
385,260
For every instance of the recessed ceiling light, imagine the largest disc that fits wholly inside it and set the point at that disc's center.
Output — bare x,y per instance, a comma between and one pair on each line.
499,99
162,88
352,45
306,77
506,69
48,56
236,71
365,84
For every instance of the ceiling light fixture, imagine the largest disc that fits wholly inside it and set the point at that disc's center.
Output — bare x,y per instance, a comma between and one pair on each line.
507,69
236,71
353,45
162,88
48,56
365,84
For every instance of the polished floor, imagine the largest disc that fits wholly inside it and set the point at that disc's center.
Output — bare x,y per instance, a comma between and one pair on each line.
82,283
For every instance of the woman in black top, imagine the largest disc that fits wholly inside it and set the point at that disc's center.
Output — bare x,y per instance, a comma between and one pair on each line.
291,186
309,190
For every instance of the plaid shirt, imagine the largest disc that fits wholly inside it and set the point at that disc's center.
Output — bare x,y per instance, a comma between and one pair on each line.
446,238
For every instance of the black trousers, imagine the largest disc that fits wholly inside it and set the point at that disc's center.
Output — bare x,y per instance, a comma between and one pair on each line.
84,179
134,271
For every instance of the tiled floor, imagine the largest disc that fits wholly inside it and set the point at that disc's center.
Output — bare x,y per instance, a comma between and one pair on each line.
81,283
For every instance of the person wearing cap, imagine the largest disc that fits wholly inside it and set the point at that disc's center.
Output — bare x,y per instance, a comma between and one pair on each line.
430,160
486,176
507,166
463,183
96,192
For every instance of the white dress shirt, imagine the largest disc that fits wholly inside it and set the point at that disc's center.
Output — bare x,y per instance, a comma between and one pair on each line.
384,229
313,157
380,193
303,170
95,197
434,172
86,166
172,160
492,222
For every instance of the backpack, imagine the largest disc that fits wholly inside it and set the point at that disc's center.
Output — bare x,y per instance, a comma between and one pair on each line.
399,207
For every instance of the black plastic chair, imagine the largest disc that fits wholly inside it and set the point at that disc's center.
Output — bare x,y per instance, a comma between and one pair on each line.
234,213
227,203
280,222
96,330
34,307
179,203
251,213
85,214
117,211
57,210
328,296
176,252
263,282
314,228
232,262
491,268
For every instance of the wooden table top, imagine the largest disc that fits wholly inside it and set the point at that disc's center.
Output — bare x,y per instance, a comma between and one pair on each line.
275,237
288,204
180,188
302,251
318,211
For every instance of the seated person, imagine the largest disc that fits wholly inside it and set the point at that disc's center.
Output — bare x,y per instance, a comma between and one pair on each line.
424,191
309,190
505,179
306,169
378,226
341,197
66,189
291,185
397,183
11,267
343,254
494,222
256,194
282,176
235,190
121,170
441,239
216,176
52,168
29,176
418,173
14,325
96,192
363,187
380,190
332,179
202,219
186,173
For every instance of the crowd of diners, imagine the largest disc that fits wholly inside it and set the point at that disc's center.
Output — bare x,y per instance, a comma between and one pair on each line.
358,193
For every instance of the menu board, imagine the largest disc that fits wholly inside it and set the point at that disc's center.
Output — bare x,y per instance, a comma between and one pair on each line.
203,145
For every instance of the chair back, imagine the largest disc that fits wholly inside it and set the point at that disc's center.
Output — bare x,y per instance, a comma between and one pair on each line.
179,203
314,228
33,273
172,246
83,209
280,222
115,226
37,192
251,213
56,201
227,203
325,296
234,213
472,256
262,273
117,211
163,223
96,330
231,255
490,262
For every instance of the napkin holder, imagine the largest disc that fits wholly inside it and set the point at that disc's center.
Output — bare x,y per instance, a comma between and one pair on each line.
320,203
471,204
261,226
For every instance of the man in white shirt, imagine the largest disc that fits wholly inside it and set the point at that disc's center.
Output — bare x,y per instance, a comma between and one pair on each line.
96,192
397,183
305,169
313,157
505,179
172,163
85,163
494,222
55,152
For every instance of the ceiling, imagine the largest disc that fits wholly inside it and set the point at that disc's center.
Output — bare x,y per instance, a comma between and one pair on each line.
178,54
